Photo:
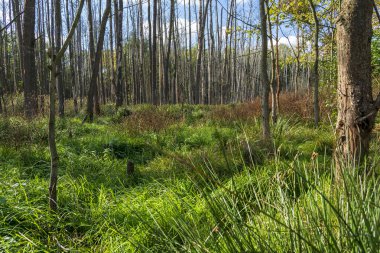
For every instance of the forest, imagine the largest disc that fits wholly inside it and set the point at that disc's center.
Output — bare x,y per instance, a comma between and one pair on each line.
189,126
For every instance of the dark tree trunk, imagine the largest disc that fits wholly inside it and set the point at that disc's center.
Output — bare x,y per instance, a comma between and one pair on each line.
154,55
29,71
119,52
356,108
167,58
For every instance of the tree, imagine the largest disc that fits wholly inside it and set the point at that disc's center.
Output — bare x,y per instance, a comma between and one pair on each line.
201,34
273,84
72,63
167,57
96,64
154,56
16,11
58,39
29,61
55,59
263,71
119,51
356,108
316,64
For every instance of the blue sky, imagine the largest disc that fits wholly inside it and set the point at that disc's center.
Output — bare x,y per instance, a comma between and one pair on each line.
247,10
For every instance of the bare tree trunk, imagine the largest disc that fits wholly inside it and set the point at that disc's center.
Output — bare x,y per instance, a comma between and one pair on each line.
263,71
278,89
198,78
168,51
273,71
111,59
160,52
190,81
119,52
141,53
2,73
316,64
96,65
16,11
58,38
55,58
154,56
356,108
72,64
29,71
150,54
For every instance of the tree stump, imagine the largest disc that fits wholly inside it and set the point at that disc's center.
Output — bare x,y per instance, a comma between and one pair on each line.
130,168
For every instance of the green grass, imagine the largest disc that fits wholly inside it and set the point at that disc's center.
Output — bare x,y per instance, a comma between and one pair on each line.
200,185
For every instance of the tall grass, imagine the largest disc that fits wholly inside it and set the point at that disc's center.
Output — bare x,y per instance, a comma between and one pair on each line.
202,184
293,206
296,209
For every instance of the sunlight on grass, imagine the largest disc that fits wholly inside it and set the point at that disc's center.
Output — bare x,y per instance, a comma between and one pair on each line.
201,185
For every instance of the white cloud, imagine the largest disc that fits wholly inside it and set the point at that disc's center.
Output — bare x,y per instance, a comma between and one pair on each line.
288,41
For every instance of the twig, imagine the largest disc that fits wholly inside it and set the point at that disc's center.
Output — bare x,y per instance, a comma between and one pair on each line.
12,21
376,10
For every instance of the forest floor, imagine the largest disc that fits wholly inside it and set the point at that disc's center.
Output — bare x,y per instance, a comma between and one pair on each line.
204,181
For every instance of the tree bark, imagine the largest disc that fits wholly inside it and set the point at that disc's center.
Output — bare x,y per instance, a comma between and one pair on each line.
72,63
96,64
119,51
54,158
58,38
278,88
356,108
316,65
154,56
141,53
168,51
29,67
199,89
273,71
263,71
16,11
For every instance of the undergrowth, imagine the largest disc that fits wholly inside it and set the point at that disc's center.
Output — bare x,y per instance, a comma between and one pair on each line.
204,181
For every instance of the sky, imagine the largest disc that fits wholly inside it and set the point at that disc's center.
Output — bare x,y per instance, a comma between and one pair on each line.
247,11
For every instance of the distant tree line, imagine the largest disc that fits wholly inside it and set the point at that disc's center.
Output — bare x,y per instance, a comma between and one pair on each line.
162,52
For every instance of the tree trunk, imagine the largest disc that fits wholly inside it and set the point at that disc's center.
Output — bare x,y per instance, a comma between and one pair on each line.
119,52
55,58
16,11
273,71
154,56
29,68
168,51
278,88
316,65
58,38
72,63
201,34
356,108
96,64
141,53
263,71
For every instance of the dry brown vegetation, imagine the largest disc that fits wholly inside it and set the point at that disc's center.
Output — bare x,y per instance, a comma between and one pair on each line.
290,105
152,120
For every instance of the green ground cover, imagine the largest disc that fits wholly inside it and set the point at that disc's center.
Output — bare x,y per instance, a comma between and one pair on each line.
201,184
